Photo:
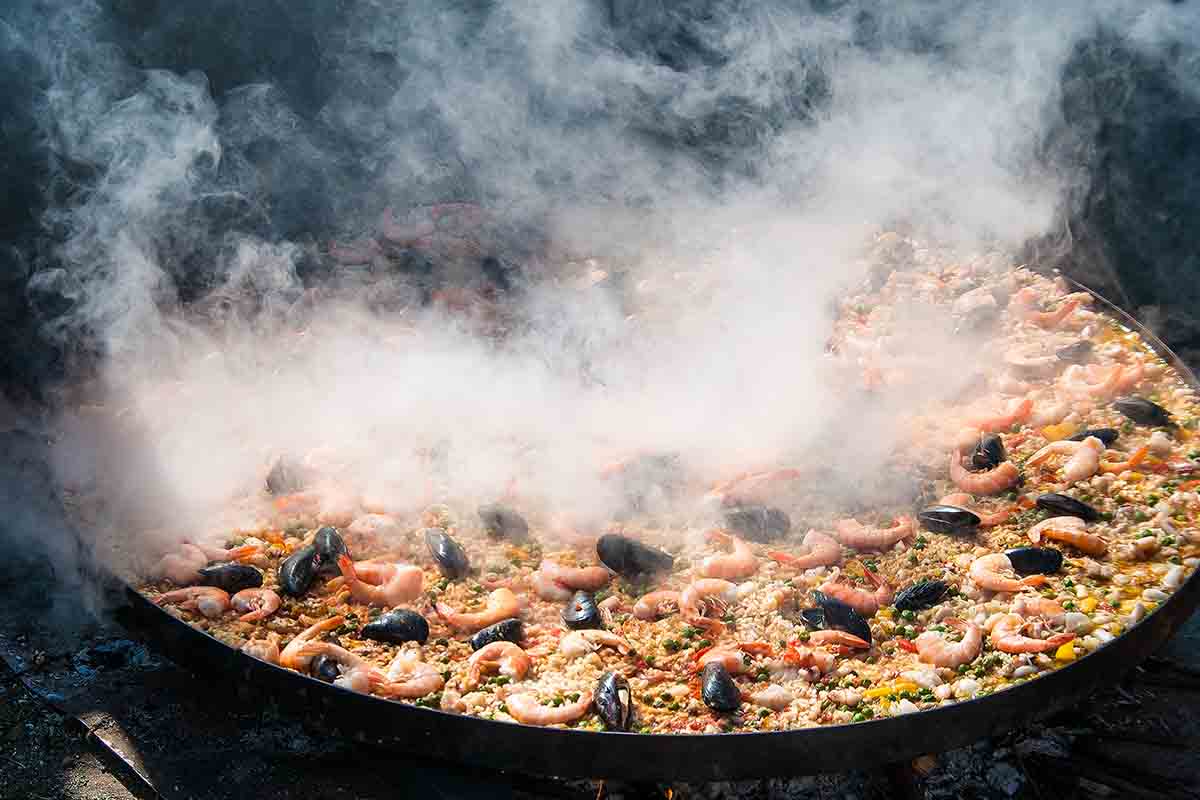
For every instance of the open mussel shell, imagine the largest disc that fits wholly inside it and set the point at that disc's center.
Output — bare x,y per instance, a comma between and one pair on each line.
814,618
1106,435
1143,411
919,596
717,688
988,453
285,477
582,612
398,626
1076,353
502,522
948,519
630,558
1035,560
298,571
330,546
840,617
614,702
1065,506
758,523
506,630
231,577
324,668
449,555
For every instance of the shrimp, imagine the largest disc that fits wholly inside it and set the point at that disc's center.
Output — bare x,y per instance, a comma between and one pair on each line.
704,594
1084,459
292,656
1131,377
1026,303
381,584
734,661
853,534
805,658
526,709
751,487
934,648
1018,411
357,674
998,479
504,657
1120,466
580,643
656,604
1069,530
1075,381
821,550
264,649
862,601
1051,412
740,563
774,697
547,588
255,604
183,567
408,677
501,604
1006,637
986,520
210,601
1028,605
839,638
587,578
987,572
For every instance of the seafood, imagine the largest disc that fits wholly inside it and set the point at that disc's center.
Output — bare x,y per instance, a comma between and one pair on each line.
231,577
760,524
774,697
408,677
837,615
581,642
717,688
631,558
264,649
183,567
330,547
948,518
818,550
582,612
864,602
501,604
448,554
293,655
1106,435
506,630
1068,530
961,499
1025,303
1064,505
381,584
547,588
656,604
993,481
255,604
503,522
1083,461
1076,352
934,648
587,578
1078,381
397,626
526,709
1034,560
703,595
298,571
989,572
733,660
1143,411
854,534
739,563
924,594
1006,636
613,701
1018,411
988,453
210,601
504,657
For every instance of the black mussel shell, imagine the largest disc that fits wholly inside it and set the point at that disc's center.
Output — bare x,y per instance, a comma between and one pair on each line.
324,668
1065,506
614,702
297,571
285,477
506,630
988,453
1076,353
814,618
1035,560
925,594
397,626
948,519
1143,411
450,557
582,612
717,688
841,617
503,522
231,577
631,558
1106,435
758,523
330,546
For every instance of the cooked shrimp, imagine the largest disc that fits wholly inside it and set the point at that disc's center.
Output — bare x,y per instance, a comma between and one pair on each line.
752,487
501,604
862,601
183,567
210,601
1076,380
820,550
292,657
831,637
526,709
1069,530
1000,478
734,661
774,697
1050,412
854,534
1006,637
580,643
504,657
264,649
547,588
1084,458
1133,461
1131,377
1032,605
986,520
797,655
381,584
586,578
1026,302
934,648
1018,411
656,604
409,677
988,572
739,563
703,595
255,603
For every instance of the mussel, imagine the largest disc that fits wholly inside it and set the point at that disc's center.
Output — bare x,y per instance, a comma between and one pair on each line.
1035,560
330,546
450,557
324,668
717,688
503,522
614,702
988,453
231,577
285,477
948,519
1064,506
297,571
1143,411
1106,435
631,558
924,594
758,523
1076,353
582,612
838,616
506,630
397,626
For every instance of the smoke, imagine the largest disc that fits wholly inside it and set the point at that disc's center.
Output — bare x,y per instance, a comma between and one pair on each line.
715,167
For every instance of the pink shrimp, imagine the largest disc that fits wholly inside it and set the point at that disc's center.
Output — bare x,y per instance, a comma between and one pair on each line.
547,588
998,479
580,643
1031,605
586,578
183,567
264,649
1131,377
934,648
656,604
986,520
381,584
734,661
255,604
501,604
703,595
740,563
504,657
1018,411
988,573
1006,635
293,656
525,708
854,534
752,487
1069,530
837,638
820,550
1084,459
1077,380
862,601
1026,302
1117,467
210,601
408,677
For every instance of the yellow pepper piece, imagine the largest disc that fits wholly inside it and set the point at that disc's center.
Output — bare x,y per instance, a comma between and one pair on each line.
905,686
1134,477
895,688
1059,431
886,613
878,691
1088,604
1065,653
